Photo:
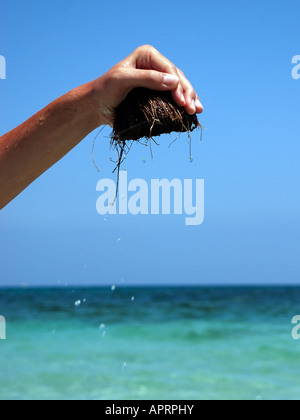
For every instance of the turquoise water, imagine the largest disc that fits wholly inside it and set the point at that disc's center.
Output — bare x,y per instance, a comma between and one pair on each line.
150,343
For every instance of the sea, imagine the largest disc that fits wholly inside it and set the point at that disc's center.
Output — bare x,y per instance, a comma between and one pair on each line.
150,343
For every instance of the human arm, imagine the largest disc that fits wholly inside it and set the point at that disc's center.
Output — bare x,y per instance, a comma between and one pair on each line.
33,147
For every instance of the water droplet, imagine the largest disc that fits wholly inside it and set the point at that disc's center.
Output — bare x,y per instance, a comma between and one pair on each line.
113,288
103,329
144,160
78,303
124,366
119,240
191,160
132,299
105,218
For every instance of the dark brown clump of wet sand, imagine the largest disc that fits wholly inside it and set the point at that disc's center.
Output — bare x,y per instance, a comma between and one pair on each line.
145,114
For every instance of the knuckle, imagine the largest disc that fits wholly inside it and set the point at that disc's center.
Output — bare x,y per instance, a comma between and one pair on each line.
153,74
188,88
114,80
173,69
145,49
116,74
181,73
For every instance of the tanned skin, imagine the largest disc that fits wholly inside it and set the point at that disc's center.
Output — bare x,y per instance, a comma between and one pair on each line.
33,147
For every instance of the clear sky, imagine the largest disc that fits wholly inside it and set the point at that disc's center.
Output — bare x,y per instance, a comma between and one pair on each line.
238,55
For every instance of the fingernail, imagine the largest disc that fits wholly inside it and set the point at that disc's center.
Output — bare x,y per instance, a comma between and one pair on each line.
199,104
170,80
193,105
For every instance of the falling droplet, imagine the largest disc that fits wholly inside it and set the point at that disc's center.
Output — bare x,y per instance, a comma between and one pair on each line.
124,366
103,329
113,288
78,303
132,299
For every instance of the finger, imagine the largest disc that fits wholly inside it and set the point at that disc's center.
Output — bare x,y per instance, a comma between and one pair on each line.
151,79
193,104
199,106
147,57
189,93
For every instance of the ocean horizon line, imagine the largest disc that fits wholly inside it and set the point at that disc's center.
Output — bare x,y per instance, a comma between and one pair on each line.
150,286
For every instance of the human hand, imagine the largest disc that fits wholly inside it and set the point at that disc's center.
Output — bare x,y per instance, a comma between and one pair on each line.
147,68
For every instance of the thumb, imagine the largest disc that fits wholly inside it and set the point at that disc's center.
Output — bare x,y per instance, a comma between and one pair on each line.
154,80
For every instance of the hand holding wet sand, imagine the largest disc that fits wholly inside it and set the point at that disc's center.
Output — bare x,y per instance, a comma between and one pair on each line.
33,147
147,68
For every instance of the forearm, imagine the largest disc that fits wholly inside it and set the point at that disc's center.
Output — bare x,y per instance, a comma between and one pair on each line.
32,148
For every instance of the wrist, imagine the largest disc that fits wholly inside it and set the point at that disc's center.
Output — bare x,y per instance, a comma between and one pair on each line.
100,112
87,98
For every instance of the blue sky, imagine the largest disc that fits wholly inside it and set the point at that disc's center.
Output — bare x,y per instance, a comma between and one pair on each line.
238,55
